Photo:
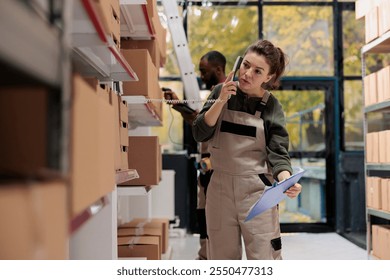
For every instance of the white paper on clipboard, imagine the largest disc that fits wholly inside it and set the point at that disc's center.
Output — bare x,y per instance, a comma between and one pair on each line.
272,195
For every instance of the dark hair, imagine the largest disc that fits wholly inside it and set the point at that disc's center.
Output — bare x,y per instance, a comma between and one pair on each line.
215,58
276,59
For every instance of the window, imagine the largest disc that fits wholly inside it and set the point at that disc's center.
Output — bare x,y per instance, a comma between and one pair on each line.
305,33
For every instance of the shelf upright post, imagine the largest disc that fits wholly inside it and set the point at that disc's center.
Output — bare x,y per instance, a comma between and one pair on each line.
66,84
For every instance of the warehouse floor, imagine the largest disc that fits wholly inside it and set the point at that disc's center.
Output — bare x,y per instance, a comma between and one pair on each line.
296,246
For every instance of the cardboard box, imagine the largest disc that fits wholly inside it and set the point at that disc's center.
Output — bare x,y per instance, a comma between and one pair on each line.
24,130
368,148
112,98
387,143
92,154
148,85
369,192
165,228
151,46
109,14
375,147
142,231
161,39
386,237
372,147
139,247
386,83
34,221
158,106
375,240
362,7
370,89
151,7
374,193
377,192
385,194
371,25
388,193
144,156
382,145
381,241
383,15
157,223
142,63
380,85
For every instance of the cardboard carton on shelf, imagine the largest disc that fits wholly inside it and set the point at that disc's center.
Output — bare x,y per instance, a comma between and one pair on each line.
112,98
377,192
139,247
150,45
382,146
370,89
147,85
162,224
362,7
144,155
369,192
144,231
92,172
381,241
386,82
371,25
34,220
383,17
160,37
109,14
387,143
24,115
385,194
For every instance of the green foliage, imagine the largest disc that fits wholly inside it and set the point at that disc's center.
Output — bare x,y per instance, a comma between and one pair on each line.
226,29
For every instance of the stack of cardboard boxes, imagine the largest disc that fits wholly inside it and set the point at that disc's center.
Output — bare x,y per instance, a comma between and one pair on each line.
143,238
146,57
109,15
33,195
375,13
144,156
139,238
38,202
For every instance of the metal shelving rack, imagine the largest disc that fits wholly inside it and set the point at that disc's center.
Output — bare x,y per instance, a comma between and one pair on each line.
44,48
379,45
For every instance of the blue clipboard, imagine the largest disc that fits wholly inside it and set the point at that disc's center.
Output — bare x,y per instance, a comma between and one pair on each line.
274,194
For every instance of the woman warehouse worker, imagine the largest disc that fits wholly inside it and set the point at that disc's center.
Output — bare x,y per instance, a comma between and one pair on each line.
248,142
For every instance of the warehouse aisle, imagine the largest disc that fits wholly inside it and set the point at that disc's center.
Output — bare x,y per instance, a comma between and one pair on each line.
296,246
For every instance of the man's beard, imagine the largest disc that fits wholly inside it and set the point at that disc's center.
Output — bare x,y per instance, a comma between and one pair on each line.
213,81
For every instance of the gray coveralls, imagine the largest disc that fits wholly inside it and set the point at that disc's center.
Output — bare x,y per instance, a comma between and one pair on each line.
238,157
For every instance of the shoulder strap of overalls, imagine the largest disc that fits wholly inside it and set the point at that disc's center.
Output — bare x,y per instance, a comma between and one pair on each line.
262,104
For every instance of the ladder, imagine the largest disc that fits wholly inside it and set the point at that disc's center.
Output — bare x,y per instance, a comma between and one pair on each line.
179,40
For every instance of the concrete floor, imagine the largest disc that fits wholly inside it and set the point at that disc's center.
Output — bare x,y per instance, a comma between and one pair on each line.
296,246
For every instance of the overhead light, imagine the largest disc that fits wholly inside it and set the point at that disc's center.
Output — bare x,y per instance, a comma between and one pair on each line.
215,14
234,22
